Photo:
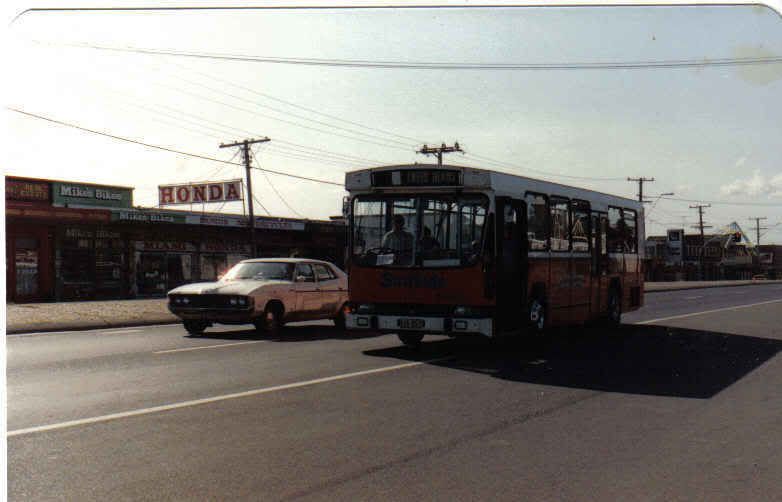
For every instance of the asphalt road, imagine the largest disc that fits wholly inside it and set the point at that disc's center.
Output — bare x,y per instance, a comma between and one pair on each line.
683,407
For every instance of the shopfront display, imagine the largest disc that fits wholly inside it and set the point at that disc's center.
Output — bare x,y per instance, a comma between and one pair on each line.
91,263
163,265
217,257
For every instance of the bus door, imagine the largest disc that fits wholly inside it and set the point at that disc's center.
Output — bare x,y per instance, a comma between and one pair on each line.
599,263
511,263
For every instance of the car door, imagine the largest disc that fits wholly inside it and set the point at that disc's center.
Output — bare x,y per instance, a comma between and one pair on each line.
329,289
308,300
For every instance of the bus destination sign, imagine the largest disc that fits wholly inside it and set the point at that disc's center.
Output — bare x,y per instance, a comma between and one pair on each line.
417,178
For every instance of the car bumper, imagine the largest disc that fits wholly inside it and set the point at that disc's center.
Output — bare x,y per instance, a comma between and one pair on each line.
430,325
226,316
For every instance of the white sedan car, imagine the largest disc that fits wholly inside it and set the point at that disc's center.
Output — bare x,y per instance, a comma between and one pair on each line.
266,292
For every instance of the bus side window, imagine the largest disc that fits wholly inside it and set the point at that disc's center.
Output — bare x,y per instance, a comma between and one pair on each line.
537,222
580,228
560,225
630,235
616,230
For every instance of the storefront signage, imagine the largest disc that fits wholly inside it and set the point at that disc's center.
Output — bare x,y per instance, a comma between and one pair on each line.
59,214
218,221
73,194
33,191
224,247
147,217
278,224
165,246
197,193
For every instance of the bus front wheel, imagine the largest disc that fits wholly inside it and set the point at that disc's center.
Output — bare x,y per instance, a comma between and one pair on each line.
411,339
537,315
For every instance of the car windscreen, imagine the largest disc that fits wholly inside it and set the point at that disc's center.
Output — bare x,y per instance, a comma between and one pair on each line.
261,271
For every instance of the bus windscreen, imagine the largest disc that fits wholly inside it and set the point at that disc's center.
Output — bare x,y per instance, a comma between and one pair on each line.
418,231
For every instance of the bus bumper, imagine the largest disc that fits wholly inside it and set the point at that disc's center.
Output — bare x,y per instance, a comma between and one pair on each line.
429,325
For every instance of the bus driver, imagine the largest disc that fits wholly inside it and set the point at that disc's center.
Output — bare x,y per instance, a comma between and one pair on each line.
399,240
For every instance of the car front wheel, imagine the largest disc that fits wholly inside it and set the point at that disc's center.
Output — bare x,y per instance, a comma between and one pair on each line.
195,328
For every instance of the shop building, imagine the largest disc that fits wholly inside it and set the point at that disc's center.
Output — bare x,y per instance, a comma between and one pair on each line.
71,241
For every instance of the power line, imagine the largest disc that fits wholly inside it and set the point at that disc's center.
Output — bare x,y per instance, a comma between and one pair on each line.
158,147
277,192
290,122
482,158
728,203
424,65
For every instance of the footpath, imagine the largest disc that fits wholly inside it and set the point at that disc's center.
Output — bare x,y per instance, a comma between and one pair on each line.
72,316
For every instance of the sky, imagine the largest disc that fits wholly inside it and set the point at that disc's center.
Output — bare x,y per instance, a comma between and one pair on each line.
707,133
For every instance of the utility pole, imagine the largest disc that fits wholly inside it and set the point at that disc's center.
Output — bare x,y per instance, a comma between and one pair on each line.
440,150
758,228
701,226
246,147
640,187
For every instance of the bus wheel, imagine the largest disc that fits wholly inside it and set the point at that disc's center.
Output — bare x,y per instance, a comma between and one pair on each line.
537,315
195,328
411,339
614,317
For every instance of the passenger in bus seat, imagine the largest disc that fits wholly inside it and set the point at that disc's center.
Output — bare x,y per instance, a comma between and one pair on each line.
429,245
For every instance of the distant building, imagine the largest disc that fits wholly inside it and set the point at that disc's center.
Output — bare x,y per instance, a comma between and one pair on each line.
677,256
72,240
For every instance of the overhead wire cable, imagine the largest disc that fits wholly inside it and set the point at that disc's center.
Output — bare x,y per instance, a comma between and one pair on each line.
271,185
289,122
172,150
505,164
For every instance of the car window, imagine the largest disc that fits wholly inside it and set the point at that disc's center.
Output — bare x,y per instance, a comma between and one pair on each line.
304,273
322,272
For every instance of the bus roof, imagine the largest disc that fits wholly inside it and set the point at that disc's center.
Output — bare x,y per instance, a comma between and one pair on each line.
502,184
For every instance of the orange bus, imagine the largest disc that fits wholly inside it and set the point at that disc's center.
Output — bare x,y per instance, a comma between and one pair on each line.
453,250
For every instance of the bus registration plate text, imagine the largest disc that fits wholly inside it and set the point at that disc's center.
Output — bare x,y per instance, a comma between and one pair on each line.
411,323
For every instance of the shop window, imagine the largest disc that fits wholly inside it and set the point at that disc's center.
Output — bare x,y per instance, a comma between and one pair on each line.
26,262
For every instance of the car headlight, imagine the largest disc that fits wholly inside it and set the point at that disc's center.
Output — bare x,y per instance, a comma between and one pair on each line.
366,308
460,311
233,301
242,300
185,300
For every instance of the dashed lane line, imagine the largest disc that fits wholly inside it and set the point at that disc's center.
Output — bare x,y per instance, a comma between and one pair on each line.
225,397
204,347
692,314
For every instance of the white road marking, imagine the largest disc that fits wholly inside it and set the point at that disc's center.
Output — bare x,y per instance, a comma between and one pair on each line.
708,312
216,346
121,331
692,297
197,402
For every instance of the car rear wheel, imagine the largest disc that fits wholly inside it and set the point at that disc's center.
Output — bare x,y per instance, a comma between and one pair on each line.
339,321
195,328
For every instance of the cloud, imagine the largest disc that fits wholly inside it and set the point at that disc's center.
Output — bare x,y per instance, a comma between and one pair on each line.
757,184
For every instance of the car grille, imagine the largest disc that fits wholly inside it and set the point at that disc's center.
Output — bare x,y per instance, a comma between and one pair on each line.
205,301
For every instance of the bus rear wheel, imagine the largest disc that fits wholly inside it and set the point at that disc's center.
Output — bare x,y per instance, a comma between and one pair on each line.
411,339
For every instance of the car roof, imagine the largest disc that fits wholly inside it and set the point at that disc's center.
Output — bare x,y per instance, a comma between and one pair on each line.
285,260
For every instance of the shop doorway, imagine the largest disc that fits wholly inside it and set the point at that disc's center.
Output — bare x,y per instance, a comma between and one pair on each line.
26,268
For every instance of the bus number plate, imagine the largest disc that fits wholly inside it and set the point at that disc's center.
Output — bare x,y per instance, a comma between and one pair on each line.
411,323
